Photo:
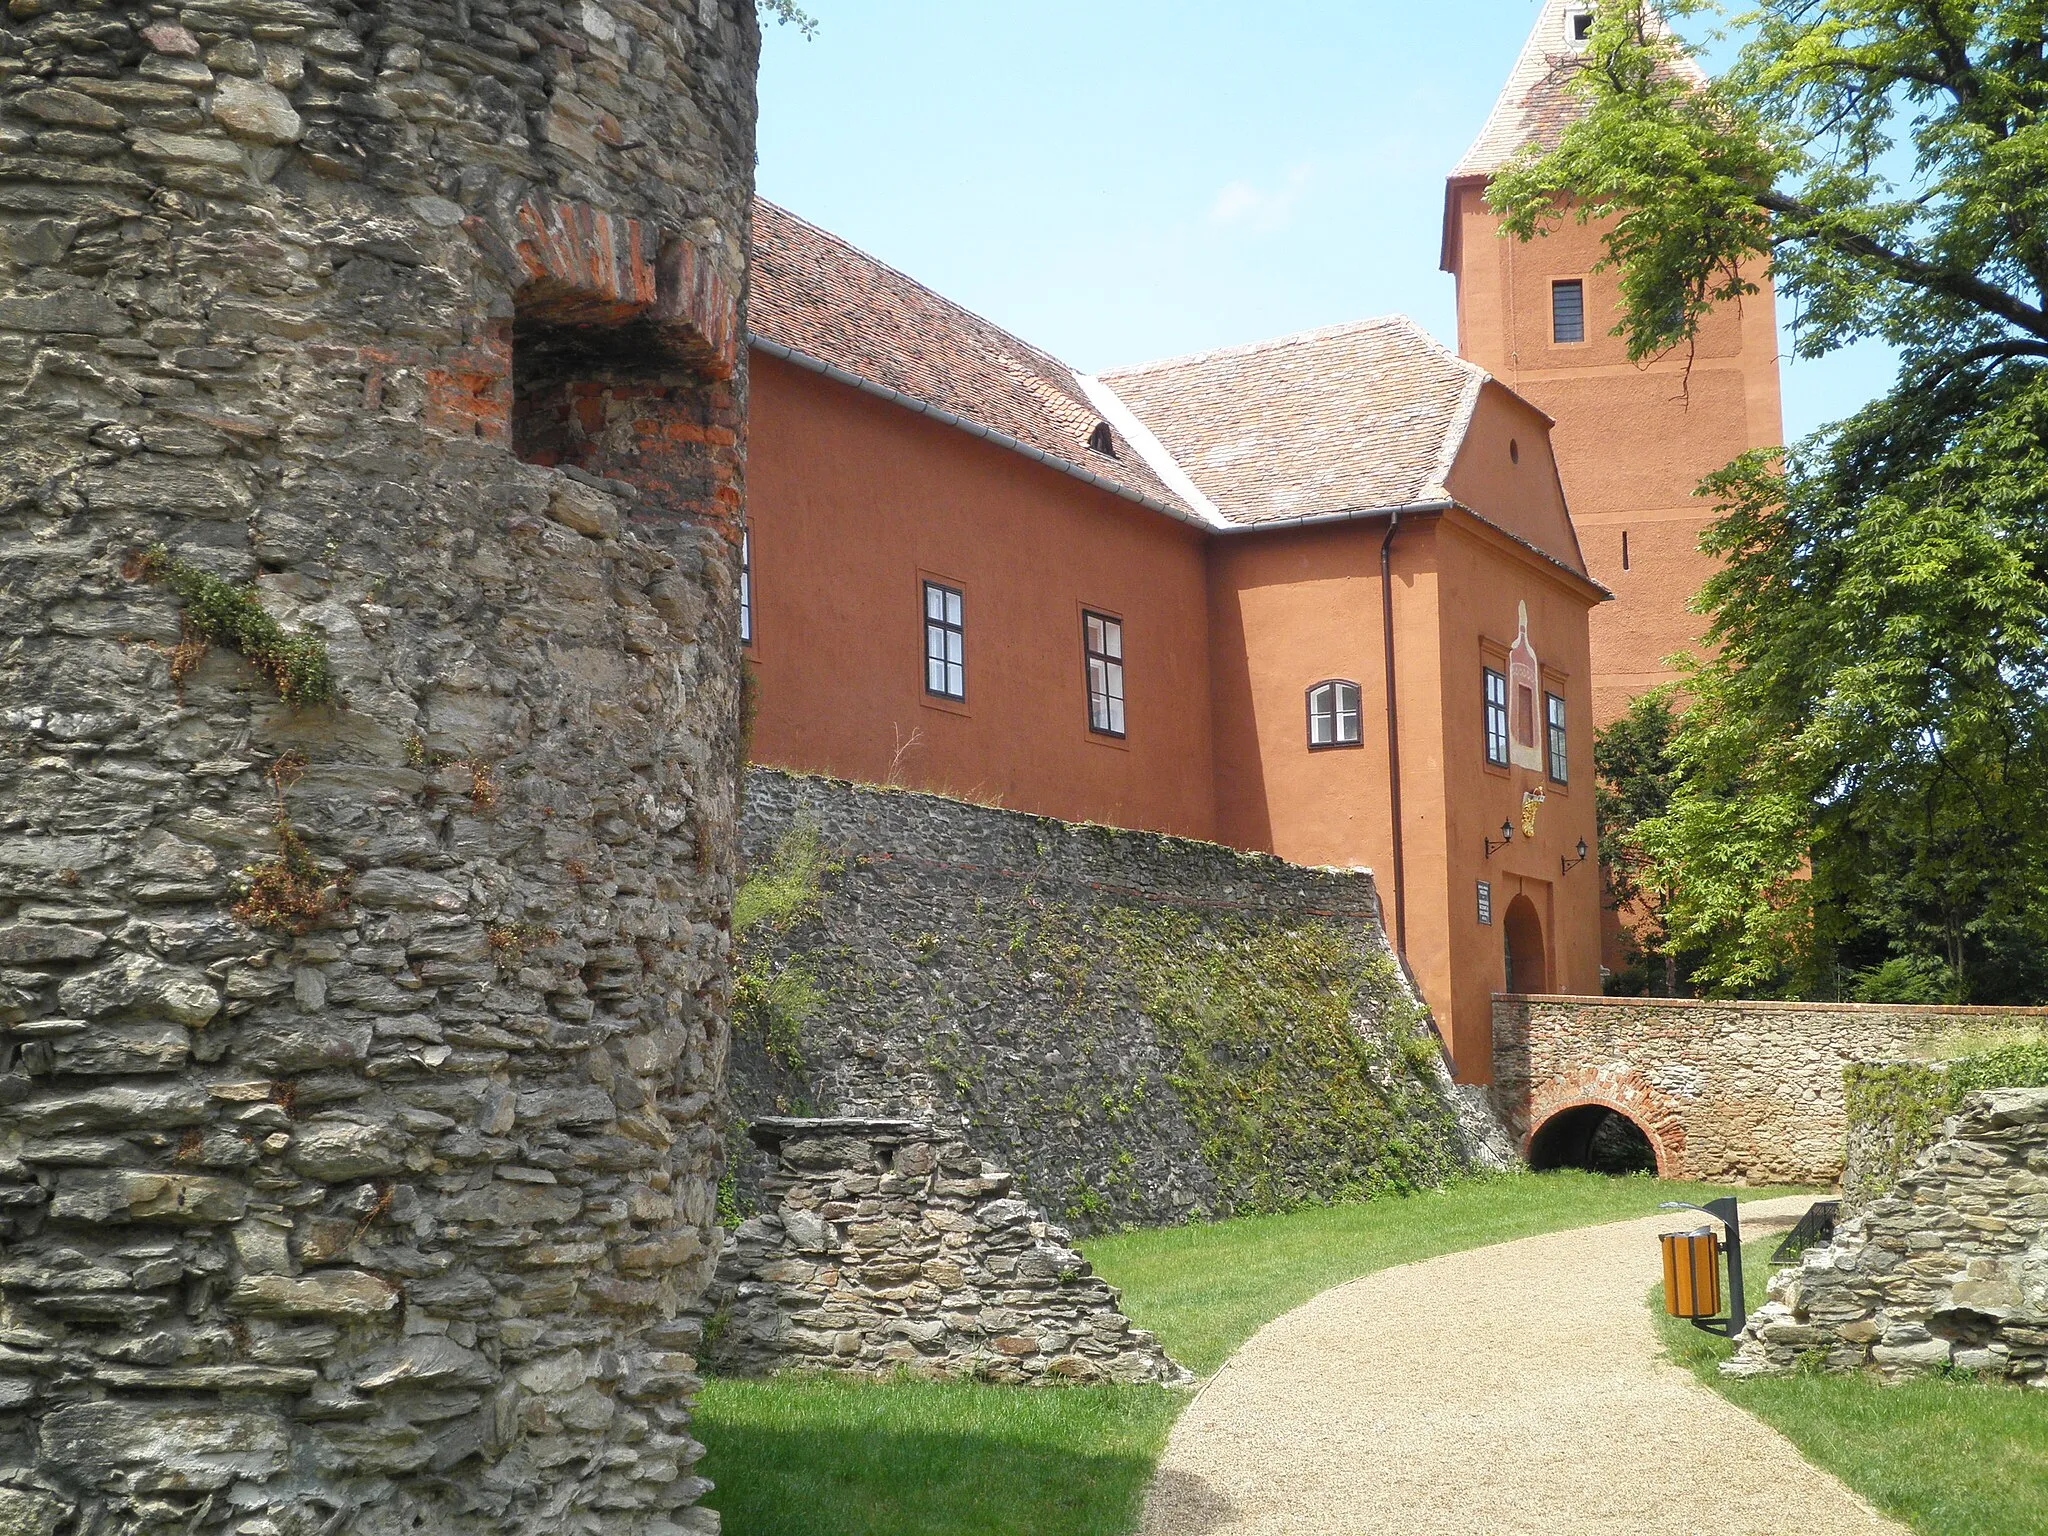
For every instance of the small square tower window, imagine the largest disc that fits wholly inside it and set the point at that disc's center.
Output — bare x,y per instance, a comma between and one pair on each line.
1579,27
1568,310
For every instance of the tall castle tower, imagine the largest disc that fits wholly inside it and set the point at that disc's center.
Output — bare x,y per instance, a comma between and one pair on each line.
1633,441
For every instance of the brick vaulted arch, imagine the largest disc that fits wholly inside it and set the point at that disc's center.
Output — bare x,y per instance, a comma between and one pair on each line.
1626,1093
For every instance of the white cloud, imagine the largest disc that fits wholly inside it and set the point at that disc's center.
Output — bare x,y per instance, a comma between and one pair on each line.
1244,205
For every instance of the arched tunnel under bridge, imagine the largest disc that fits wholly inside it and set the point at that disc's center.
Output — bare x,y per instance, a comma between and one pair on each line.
1594,1137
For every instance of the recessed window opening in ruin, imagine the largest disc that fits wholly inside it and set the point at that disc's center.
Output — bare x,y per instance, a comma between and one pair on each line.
578,389
1594,1138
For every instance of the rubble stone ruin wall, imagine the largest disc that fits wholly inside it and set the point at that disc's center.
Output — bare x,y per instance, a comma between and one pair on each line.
1949,1271
372,408
887,1247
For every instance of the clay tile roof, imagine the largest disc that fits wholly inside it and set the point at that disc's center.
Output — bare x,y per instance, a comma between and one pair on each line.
1353,418
815,295
1536,105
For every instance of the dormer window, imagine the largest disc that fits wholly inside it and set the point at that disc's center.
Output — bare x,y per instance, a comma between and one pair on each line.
1101,441
1579,27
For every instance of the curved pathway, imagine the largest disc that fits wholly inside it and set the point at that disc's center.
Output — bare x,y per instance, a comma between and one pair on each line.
1502,1391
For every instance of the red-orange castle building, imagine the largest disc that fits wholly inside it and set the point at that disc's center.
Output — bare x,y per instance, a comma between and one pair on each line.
1319,596
1632,442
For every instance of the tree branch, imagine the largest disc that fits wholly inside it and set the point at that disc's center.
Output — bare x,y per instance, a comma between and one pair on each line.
1910,269
1949,365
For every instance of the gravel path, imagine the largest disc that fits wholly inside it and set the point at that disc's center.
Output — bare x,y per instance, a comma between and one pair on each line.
1507,1390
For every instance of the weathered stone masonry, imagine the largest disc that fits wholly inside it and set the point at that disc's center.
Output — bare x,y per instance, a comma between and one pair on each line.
887,1247
1949,1270
1745,1091
1142,1029
423,317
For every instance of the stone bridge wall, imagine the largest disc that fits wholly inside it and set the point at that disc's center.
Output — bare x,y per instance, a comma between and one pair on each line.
359,1053
1744,1091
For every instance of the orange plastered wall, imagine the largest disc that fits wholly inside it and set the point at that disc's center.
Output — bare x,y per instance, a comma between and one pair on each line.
853,502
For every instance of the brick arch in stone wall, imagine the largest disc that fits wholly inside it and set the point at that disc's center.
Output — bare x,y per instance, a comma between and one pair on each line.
1625,1092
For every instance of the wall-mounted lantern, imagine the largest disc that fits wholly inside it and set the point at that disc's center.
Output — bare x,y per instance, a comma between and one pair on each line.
1572,864
1507,835
1692,1269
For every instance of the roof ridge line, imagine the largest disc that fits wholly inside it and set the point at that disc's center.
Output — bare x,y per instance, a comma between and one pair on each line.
1292,338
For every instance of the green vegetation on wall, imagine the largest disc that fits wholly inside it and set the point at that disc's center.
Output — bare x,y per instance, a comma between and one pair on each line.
1896,1108
229,613
774,997
1292,1103
1134,1060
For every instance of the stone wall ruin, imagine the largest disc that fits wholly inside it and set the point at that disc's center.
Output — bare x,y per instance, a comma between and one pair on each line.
367,806
887,1247
1948,1271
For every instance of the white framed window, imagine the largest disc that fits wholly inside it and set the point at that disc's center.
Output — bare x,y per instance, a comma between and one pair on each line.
1568,310
1578,27
1560,759
1333,716
746,589
945,642
1102,645
1496,717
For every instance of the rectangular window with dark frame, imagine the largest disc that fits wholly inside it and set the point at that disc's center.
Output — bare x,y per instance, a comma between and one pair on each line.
1560,760
945,642
746,591
1568,311
1496,717
1102,639
1333,718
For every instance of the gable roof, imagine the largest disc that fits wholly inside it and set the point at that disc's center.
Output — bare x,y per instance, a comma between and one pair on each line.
1537,104
1352,418
821,299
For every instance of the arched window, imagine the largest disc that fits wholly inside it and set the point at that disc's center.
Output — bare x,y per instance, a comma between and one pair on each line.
1101,440
1333,715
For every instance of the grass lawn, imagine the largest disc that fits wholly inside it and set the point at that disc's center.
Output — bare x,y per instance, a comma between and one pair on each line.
794,1457
1947,1458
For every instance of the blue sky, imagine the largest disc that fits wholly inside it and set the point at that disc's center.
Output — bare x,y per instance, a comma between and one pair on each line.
1118,180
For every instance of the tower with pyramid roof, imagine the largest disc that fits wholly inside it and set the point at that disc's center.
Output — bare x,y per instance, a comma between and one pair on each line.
1632,442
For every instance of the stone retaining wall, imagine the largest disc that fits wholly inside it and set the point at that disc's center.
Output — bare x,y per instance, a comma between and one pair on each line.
1748,1092
360,1049
1948,1271
1144,1028
887,1247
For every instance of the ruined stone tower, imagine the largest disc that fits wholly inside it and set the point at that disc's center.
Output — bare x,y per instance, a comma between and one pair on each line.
371,411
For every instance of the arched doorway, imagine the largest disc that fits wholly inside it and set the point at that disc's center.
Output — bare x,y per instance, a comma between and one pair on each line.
1593,1137
1528,965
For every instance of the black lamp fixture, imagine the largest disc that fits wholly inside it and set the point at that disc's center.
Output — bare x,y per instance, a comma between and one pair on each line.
1570,864
1507,835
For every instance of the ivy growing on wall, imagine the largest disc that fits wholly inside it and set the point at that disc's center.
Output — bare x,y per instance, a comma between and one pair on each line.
1100,1045
1896,1108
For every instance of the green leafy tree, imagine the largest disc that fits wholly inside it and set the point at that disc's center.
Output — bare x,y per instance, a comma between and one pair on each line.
1864,759
1635,773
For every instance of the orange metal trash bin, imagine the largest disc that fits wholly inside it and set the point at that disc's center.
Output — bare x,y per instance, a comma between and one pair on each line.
1692,1273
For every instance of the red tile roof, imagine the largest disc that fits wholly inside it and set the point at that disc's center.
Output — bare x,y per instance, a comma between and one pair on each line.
821,298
